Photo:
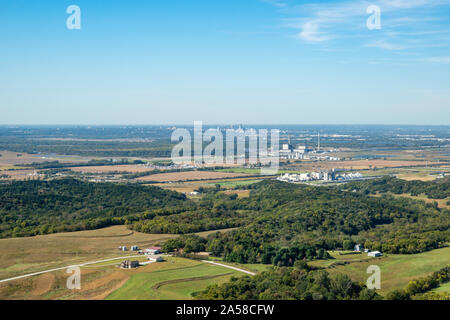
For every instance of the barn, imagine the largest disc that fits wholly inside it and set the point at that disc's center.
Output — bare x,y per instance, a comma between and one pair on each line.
375,254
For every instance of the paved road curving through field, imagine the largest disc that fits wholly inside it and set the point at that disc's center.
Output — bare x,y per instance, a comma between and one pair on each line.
230,267
112,259
62,268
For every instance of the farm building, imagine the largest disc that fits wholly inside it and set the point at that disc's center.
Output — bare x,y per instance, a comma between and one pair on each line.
155,259
375,254
123,248
127,264
134,248
152,250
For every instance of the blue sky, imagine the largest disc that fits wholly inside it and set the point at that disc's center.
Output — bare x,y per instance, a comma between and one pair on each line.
234,61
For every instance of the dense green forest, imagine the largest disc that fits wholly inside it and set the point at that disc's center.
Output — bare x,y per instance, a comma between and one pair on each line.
289,283
270,254
285,215
29,208
437,189
278,223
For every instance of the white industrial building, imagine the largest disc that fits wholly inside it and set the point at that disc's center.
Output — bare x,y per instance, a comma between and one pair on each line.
375,254
155,259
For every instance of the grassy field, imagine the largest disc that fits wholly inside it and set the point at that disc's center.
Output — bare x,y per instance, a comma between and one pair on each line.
396,270
183,289
19,174
235,183
442,203
130,168
32,254
444,288
417,173
241,170
97,282
254,171
189,175
27,255
9,158
395,154
177,280
240,193
190,186
256,267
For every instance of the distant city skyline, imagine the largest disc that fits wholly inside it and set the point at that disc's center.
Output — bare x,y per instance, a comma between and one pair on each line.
254,62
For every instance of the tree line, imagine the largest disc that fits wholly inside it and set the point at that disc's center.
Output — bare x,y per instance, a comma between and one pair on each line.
283,215
35,207
438,189
289,283
276,216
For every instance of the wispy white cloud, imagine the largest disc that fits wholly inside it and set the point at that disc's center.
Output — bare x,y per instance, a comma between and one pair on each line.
405,24
382,44
310,32
408,4
319,22
407,21
405,4
323,22
445,59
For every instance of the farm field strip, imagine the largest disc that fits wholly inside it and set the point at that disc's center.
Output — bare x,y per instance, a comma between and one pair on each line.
19,256
33,254
62,268
363,164
130,168
189,175
442,203
175,274
184,289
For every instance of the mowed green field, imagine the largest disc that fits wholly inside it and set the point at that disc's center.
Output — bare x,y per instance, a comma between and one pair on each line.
253,267
255,171
241,170
232,184
396,269
175,278
444,288
19,256
179,280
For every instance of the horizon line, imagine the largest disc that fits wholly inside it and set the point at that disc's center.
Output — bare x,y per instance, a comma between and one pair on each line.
223,124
